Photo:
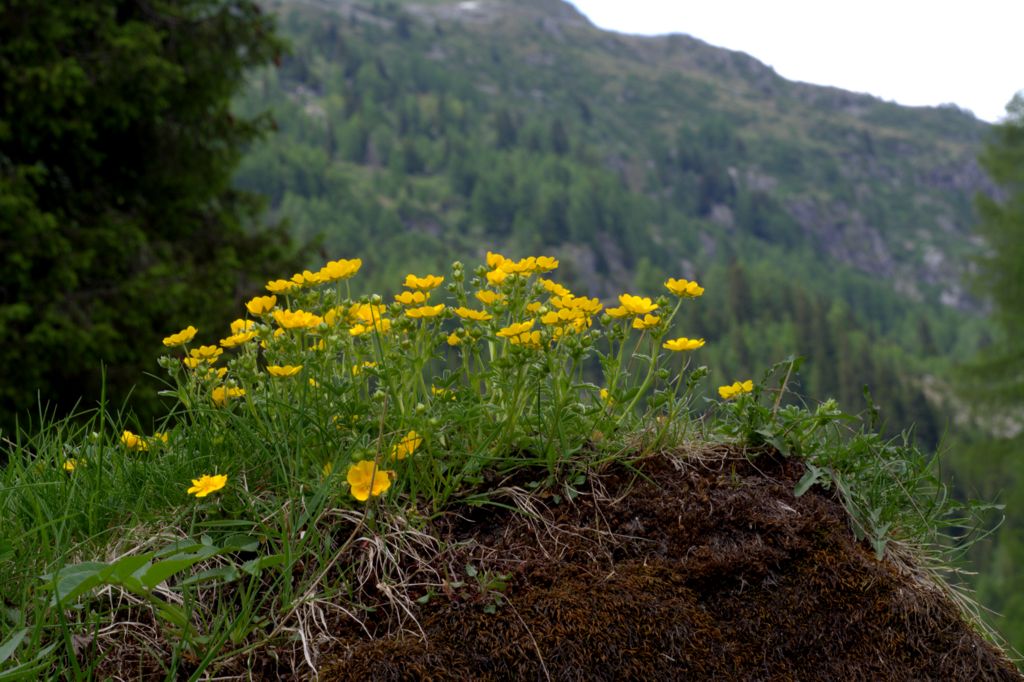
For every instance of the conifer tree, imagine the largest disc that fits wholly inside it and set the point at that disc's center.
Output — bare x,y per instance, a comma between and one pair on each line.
118,222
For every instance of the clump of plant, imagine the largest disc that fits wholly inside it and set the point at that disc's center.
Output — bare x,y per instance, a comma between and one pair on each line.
322,422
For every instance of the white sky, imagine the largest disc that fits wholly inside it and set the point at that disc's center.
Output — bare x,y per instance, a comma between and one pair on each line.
967,52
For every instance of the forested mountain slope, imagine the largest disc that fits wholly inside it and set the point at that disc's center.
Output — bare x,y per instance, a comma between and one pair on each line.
821,222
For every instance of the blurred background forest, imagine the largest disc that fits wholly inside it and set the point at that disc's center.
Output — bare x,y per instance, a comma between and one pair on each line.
215,145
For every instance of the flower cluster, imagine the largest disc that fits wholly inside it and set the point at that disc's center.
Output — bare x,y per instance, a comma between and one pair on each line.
369,365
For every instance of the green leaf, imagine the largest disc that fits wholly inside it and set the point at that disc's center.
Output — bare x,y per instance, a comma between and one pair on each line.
7,648
73,581
161,571
806,481
256,565
222,574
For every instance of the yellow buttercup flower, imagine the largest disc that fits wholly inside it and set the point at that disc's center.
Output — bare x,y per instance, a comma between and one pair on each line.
683,343
306,278
70,464
488,297
261,305
425,311
208,354
620,311
422,283
223,394
239,326
606,397
281,286
554,288
470,314
496,276
297,319
406,446
546,263
205,484
494,259
526,339
735,389
366,479
134,442
181,338
283,370
454,339
636,305
533,307
339,269
382,327
237,339
684,288
358,369
645,322
161,436
515,329
412,297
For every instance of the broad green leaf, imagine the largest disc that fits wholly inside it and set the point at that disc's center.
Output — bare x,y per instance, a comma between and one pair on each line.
8,647
222,574
256,565
161,571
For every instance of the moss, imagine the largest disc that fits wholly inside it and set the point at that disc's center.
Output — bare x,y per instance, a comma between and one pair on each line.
706,568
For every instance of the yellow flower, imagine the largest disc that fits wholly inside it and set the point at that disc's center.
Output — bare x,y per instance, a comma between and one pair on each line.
515,329
496,276
181,338
412,297
533,307
422,283
488,297
239,326
683,343
334,315
281,286
606,397
470,314
526,339
222,394
339,269
358,369
319,345
261,304
366,313
735,389
237,339
454,339
297,319
620,311
306,278
204,485
646,322
441,392
494,259
546,263
406,446
382,327
70,464
161,436
684,288
425,311
205,354
554,288
590,306
366,479
636,305
133,442
327,469
562,317
314,383
284,370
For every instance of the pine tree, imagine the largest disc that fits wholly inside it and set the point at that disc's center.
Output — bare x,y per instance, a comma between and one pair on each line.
118,222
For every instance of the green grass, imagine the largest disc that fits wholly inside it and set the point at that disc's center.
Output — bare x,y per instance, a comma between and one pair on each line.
103,548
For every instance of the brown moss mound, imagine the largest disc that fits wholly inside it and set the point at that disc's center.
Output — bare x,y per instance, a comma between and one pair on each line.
705,568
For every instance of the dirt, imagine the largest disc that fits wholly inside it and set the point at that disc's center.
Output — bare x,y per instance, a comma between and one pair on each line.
703,567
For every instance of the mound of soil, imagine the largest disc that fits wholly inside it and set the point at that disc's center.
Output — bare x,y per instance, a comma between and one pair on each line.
702,568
